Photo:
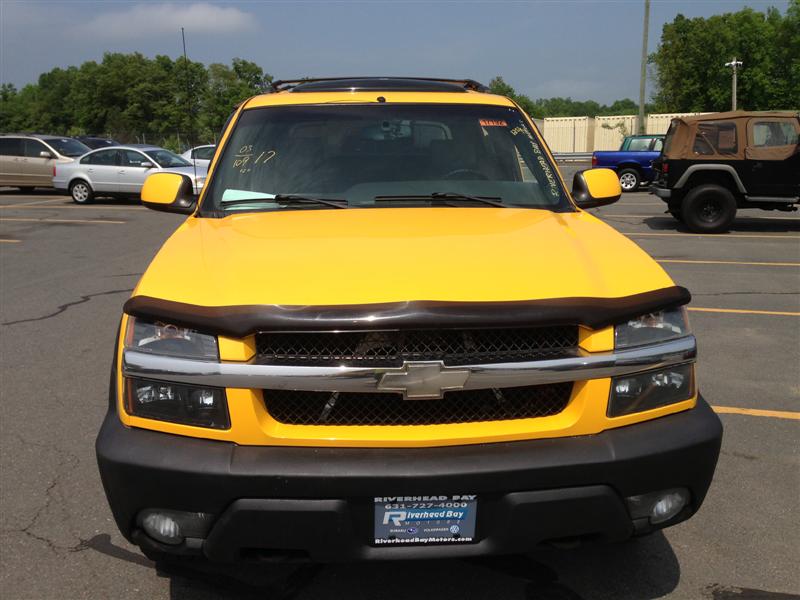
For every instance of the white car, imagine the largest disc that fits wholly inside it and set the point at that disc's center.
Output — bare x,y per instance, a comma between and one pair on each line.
201,155
121,171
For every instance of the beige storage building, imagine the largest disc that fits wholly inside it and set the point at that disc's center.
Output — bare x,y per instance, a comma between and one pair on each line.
569,134
610,131
659,123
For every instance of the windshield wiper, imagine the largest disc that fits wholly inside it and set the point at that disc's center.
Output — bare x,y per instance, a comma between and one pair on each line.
495,201
287,199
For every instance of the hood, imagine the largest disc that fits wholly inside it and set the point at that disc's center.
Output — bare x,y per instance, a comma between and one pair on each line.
362,256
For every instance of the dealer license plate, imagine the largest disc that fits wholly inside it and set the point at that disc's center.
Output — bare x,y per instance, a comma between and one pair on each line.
408,520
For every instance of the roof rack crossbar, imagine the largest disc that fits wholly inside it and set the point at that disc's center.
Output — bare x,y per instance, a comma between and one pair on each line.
287,84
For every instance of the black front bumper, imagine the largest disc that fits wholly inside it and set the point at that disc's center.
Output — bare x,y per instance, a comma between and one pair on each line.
318,502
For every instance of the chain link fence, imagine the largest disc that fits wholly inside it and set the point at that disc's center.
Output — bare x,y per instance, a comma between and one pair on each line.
175,140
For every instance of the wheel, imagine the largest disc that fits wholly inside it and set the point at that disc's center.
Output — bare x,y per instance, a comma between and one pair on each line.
81,192
709,209
26,189
629,180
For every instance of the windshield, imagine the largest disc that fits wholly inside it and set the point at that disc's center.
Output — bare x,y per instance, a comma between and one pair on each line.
166,159
68,146
359,152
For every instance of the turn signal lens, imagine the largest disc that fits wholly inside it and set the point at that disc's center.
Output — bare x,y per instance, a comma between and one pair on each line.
177,403
651,389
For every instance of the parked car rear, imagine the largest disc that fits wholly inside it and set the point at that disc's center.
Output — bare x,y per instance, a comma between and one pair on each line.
29,160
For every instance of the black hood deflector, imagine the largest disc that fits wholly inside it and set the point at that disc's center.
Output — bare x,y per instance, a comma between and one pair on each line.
240,321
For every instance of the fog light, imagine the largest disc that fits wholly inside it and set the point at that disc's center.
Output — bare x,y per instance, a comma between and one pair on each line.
162,528
658,506
173,526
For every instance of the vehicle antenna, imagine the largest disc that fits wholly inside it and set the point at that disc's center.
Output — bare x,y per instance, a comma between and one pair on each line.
191,110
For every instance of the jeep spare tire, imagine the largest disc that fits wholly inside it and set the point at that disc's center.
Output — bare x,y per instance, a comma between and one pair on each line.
709,209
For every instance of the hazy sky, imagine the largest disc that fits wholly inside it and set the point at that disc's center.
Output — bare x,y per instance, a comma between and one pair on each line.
579,48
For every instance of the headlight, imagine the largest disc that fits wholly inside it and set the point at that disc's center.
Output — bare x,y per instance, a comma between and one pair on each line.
170,340
177,403
165,401
651,389
649,329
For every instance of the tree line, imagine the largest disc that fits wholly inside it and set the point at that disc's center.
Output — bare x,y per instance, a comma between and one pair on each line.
130,95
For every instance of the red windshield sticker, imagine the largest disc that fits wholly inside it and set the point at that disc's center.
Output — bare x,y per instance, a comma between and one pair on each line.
493,123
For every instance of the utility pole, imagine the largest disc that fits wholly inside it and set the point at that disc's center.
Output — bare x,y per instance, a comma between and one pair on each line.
734,64
643,73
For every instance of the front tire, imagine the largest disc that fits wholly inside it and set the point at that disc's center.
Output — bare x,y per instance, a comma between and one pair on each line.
81,192
709,209
629,180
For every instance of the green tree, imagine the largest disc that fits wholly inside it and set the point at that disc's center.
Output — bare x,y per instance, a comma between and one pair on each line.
227,86
128,95
689,62
562,107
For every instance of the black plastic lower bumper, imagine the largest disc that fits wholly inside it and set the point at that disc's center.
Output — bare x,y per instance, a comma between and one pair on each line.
662,192
318,502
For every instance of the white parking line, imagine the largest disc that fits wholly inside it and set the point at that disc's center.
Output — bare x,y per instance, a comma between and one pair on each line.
727,262
668,217
74,207
62,221
46,201
719,236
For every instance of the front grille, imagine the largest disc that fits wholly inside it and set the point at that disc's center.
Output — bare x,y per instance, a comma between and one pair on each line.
465,406
392,348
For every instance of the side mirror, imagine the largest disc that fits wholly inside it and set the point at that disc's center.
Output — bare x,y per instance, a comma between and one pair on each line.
45,154
595,187
145,164
169,192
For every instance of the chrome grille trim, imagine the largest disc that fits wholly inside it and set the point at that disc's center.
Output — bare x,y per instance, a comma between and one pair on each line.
583,366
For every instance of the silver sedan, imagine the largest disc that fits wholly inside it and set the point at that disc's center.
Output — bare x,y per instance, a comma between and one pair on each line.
121,171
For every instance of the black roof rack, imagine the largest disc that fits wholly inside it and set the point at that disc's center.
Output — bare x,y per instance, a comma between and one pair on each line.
386,84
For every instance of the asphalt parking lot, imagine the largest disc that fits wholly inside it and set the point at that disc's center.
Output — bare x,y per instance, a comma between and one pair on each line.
65,271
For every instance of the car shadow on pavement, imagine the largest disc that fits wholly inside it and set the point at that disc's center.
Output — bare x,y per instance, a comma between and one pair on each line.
636,570
744,223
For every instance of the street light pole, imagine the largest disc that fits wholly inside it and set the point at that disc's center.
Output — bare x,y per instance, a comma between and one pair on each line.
643,72
734,64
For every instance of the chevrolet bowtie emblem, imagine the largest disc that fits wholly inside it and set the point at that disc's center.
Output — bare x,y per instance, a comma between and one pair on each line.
423,380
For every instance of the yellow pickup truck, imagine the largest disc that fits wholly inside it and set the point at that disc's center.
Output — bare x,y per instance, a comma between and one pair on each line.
386,330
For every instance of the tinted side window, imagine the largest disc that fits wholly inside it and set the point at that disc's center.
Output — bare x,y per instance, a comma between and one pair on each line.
32,148
658,144
103,158
774,133
716,137
11,146
132,158
639,144
203,153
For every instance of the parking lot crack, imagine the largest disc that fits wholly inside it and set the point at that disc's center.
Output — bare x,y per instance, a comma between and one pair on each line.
66,463
63,307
